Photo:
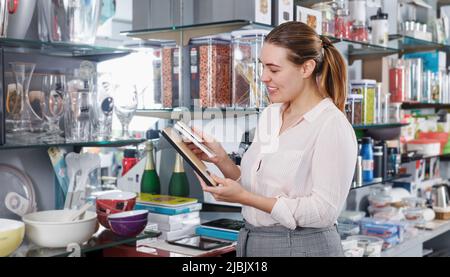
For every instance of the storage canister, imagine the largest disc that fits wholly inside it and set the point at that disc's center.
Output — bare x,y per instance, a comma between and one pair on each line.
397,81
380,28
210,72
354,108
170,76
248,89
328,17
377,163
366,88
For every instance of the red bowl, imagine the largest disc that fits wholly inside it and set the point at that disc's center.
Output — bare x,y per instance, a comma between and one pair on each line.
116,201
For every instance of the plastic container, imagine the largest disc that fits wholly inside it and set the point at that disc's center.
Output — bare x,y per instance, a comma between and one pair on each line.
372,245
354,108
360,33
342,24
210,58
380,28
397,81
366,88
248,89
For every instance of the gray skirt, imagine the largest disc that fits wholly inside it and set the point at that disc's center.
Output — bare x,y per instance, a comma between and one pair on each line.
278,241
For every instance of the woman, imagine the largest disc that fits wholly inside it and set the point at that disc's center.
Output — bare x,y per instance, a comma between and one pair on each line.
295,177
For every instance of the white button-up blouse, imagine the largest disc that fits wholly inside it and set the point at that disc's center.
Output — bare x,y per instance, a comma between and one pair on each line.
308,168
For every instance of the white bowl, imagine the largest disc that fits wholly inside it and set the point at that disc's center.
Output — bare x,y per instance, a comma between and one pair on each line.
11,235
46,228
118,195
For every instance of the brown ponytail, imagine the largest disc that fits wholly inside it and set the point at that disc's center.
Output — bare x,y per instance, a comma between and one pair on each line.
304,44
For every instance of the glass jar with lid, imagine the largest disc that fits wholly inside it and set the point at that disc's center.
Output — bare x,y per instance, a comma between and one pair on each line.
366,88
210,57
248,91
353,108
342,24
328,17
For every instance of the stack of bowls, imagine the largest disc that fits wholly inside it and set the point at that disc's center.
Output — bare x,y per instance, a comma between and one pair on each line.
128,224
112,203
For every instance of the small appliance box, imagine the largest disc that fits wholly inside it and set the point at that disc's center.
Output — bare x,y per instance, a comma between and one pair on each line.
311,17
283,11
259,11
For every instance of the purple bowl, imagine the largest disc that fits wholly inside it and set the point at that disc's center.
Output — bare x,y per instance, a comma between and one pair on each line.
134,215
127,228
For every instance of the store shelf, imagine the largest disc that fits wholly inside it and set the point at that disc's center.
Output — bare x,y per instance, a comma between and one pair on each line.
34,142
387,180
85,51
412,106
197,113
379,126
101,240
183,33
442,157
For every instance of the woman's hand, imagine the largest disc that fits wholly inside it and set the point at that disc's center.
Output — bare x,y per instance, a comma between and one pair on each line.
212,144
227,190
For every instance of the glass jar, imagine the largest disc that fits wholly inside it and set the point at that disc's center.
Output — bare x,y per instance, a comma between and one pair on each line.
170,73
210,58
248,89
367,89
328,18
357,10
353,108
360,33
342,24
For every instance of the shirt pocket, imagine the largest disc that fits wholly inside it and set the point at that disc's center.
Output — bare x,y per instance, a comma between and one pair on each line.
282,165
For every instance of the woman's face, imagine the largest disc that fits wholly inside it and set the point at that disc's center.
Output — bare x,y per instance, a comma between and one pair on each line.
283,79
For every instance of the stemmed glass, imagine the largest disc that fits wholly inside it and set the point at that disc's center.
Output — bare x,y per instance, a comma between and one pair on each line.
125,105
54,88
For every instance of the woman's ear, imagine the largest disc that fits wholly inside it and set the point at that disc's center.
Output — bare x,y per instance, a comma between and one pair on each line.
307,68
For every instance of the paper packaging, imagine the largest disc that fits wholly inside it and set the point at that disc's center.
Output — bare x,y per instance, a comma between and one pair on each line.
311,17
283,11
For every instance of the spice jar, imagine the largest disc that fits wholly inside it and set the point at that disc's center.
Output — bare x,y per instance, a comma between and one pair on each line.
397,81
367,89
328,18
360,33
353,108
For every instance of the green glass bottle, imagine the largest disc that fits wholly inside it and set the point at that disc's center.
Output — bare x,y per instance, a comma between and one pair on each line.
179,185
150,180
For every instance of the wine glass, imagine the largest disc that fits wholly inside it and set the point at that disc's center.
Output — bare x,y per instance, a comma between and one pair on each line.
125,105
54,88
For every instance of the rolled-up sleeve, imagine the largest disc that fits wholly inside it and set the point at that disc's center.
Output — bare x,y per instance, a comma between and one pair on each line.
332,169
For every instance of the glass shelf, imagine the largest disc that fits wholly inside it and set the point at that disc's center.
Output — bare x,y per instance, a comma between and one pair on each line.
183,33
103,239
380,126
407,159
408,44
85,51
30,141
387,180
197,113
412,106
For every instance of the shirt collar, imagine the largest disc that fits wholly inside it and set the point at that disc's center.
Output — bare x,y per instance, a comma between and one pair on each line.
314,112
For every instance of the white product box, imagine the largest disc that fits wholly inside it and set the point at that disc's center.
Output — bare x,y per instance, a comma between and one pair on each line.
259,11
310,17
283,12
263,11
162,218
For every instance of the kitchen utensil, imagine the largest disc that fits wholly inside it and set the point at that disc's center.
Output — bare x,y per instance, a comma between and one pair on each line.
73,168
73,21
88,162
46,228
11,235
134,215
127,228
79,212
20,15
440,196
17,195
